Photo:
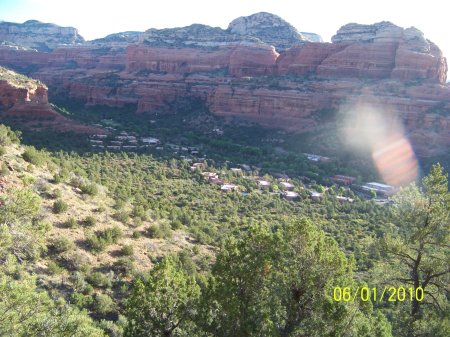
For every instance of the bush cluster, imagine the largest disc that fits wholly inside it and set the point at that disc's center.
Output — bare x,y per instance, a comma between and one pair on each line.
100,240
60,206
34,156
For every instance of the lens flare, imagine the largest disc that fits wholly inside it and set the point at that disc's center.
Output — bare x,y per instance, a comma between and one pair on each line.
395,160
380,133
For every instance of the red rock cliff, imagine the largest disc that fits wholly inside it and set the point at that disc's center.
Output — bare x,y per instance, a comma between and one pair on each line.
236,73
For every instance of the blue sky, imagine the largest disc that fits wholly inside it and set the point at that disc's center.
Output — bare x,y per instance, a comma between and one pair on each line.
97,18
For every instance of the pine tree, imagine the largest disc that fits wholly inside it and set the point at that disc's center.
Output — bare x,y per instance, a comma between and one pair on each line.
162,304
418,253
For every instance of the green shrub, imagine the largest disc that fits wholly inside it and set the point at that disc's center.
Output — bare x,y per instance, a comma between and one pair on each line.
28,180
34,156
98,279
61,176
90,189
137,222
57,193
186,262
81,301
4,139
78,281
53,268
162,231
136,234
76,260
71,223
100,240
196,250
139,212
111,328
124,265
76,181
2,150
127,250
122,216
113,234
57,179
59,206
100,209
154,232
8,136
43,226
62,245
176,224
96,243
103,304
88,289
89,221
119,204
4,171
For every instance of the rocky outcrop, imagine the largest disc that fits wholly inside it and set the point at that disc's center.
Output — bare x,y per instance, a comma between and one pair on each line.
312,37
37,35
21,96
16,88
27,99
194,36
269,28
117,39
385,49
356,33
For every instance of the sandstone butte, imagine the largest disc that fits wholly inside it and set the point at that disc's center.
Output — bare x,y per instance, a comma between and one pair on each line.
23,97
259,68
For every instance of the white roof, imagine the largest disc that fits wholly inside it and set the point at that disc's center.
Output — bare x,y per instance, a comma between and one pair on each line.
344,198
228,187
209,174
291,194
263,182
150,140
378,186
286,184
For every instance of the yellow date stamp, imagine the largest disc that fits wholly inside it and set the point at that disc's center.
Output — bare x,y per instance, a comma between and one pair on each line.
387,294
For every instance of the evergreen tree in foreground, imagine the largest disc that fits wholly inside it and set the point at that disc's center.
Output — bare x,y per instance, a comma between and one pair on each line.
264,283
418,256
163,303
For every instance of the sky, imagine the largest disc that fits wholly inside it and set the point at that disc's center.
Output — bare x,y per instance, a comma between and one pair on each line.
98,18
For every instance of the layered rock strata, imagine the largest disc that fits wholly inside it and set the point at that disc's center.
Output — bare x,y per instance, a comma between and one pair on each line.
260,68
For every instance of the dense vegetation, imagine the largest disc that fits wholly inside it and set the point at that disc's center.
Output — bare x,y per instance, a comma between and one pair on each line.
252,263
17,79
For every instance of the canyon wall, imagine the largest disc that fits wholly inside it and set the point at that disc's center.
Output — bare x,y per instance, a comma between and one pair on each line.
259,68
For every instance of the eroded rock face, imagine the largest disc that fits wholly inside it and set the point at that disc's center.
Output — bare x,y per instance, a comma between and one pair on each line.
305,60
384,48
16,88
27,99
235,60
269,28
23,97
37,35
118,39
312,37
239,74
355,33
194,36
